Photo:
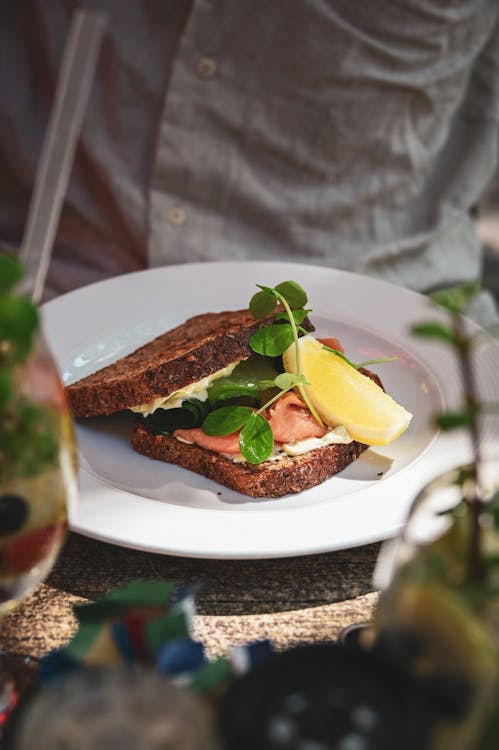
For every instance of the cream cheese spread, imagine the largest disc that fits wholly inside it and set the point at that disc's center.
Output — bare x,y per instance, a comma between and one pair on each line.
197,390
336,436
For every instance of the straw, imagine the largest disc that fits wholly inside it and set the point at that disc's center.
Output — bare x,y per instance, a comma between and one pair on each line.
73,89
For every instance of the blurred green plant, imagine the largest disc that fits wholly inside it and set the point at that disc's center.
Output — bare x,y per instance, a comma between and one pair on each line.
26,439
455,301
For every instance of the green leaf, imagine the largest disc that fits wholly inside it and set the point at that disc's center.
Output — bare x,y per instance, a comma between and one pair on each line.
298,316
46,447
451,420
293,293
273,340
18,323
187,416
199,409
160,630
494,504
267,289
83,639
339,354
262,304
256,440
434,330
132,595
247,380
211,677
226,420
266,385
142,593
378,361
457,298
28,414
286,380
232,393
11,271
366,363
5,385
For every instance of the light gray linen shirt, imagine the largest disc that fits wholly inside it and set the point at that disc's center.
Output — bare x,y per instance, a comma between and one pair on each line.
347,133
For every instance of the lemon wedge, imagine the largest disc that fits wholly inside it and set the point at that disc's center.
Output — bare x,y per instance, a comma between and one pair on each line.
344,396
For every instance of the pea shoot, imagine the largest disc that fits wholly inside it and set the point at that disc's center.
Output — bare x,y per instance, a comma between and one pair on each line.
293,298
357,366
256,440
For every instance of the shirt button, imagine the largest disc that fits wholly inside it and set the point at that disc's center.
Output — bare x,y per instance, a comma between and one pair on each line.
206,67
176,215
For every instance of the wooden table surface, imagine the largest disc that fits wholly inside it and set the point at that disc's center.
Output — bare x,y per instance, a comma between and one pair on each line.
289,601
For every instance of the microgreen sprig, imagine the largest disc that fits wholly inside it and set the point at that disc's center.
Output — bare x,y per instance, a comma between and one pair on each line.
256,440
357,366
278,337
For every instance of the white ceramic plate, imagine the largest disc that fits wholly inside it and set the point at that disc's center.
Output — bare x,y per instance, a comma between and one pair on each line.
128,499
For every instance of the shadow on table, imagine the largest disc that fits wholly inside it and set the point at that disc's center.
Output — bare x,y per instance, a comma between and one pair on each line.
89,568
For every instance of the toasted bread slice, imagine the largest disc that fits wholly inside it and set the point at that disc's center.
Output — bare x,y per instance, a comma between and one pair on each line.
289,474
193,350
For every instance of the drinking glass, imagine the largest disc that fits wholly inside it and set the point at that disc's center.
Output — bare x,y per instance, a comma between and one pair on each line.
37,477
439,615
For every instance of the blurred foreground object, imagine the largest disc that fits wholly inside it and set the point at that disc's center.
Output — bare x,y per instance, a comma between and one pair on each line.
102,707
439,616
37,454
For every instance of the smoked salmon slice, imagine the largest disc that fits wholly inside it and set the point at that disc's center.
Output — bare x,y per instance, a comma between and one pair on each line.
291,420
288,417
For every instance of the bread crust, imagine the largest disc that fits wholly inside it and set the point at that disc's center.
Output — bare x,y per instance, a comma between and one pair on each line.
199,347
290,474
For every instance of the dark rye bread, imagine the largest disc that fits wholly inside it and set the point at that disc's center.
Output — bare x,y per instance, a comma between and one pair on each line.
270,479
193,350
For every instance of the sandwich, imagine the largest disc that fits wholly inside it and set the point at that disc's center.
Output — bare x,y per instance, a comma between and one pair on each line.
224,395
